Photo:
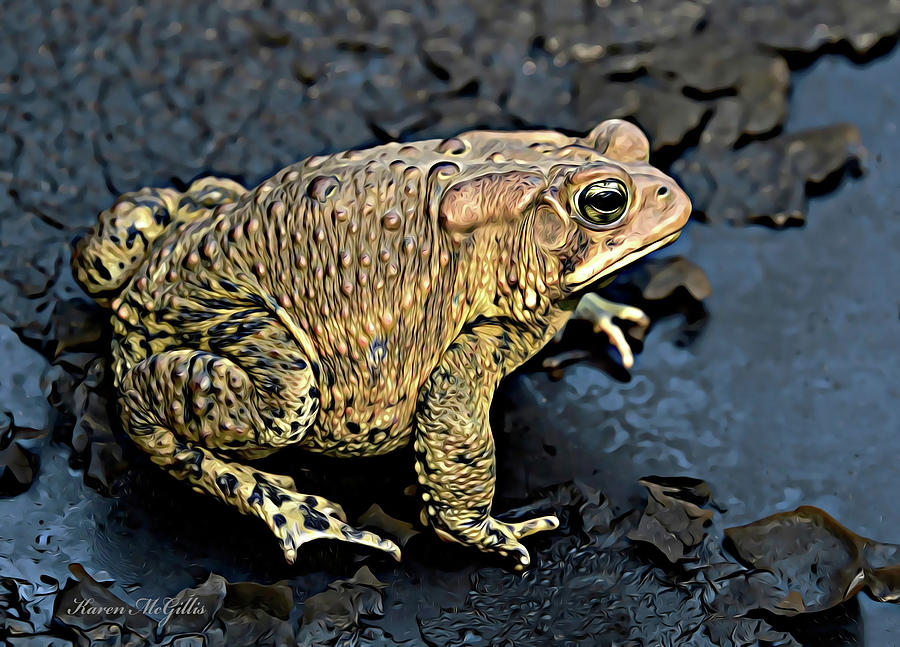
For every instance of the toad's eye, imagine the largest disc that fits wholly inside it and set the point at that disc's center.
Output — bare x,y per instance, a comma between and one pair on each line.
602,204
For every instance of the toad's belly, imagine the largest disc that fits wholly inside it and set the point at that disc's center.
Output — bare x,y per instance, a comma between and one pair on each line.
372,432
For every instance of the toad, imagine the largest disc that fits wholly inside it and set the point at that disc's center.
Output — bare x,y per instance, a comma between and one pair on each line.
356,302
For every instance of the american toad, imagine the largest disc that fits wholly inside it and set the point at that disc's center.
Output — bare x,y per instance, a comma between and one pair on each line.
356,301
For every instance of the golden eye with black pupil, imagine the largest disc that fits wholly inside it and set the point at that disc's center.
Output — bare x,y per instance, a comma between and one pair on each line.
602,205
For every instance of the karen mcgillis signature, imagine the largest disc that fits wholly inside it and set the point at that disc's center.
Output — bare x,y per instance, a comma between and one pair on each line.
166,607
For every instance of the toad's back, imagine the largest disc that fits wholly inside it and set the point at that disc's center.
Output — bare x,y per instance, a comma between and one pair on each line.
349,253
345,254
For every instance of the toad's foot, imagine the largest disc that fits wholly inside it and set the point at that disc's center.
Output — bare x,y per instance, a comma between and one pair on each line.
495,536
299,518
600,312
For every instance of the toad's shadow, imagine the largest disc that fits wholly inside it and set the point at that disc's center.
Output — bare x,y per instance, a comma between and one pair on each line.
166,515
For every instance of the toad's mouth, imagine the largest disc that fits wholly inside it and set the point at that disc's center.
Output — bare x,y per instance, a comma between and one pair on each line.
585,275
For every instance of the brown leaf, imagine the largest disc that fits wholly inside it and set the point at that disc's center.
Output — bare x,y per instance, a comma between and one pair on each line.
818,562
673,520
92,611
328,614
17,469
765,181
678,272
376,517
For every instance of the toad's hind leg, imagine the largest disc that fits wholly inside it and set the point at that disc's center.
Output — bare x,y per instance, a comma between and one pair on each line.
188,409
104,260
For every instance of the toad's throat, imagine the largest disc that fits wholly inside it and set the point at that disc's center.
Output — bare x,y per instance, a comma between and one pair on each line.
591,272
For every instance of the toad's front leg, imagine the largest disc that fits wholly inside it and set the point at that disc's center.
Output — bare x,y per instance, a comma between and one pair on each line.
455,448
600,313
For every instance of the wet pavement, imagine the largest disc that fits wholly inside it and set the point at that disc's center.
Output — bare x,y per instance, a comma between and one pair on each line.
790,394
787,396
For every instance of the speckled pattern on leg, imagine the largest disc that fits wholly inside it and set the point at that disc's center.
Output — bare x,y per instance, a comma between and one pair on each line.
180,405
282,375
453,431
107,257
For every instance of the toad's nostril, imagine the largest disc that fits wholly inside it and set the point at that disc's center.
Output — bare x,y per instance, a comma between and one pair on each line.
662,191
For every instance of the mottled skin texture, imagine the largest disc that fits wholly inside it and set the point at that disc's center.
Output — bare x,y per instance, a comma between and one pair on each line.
357,301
